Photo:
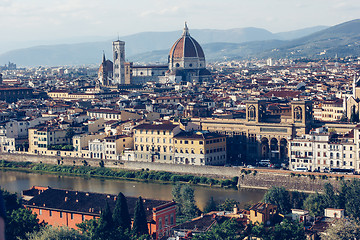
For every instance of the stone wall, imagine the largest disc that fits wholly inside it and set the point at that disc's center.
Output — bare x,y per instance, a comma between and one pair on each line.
294,183
264,178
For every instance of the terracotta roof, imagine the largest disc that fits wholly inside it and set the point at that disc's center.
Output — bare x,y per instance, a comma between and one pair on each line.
156,126
198,135
85,202
283,94
186,46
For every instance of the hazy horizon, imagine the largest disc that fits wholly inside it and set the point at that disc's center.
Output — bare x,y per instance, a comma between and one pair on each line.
29,23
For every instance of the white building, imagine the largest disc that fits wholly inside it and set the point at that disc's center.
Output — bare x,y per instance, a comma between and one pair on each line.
321,150
97,148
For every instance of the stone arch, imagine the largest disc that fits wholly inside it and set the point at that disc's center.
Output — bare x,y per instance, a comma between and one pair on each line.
274,148
264,148
283,149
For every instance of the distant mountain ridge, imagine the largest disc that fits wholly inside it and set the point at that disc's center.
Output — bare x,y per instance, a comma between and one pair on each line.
238,43
340,40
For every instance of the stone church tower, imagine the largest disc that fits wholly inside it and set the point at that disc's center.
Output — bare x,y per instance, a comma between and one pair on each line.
119,62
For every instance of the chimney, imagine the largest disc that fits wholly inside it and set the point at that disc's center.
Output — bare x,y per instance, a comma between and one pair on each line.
44,205
77,200
115,198
87,194
66,198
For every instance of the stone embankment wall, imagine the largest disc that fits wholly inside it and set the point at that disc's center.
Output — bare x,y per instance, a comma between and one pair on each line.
263,178
293,183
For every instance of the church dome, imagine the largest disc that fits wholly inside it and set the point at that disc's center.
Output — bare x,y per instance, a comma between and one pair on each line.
186,47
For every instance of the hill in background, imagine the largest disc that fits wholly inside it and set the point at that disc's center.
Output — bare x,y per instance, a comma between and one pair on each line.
239,43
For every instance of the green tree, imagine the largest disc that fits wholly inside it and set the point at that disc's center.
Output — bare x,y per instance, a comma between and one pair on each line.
228,205
121,216
105,228
280,197
297,199
140,226
315,204
352,198
210,206
20,222
11,201
342,230
228,230
189,209
330,200
184,197
88,227
288,230
54,233
176,194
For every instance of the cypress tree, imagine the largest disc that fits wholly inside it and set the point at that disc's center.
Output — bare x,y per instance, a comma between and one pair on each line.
140,226
121,216
105,228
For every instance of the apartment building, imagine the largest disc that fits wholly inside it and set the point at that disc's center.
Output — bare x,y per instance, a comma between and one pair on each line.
200,148
154,142
109,114
322,150
332,110
43,138
116,145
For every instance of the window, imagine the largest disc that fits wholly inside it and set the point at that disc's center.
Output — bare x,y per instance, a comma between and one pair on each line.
82,217
40,211
172,219
61,214
50,213
72,216
160,223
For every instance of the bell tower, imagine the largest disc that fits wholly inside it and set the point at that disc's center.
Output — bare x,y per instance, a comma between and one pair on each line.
301,112
119,62
255,111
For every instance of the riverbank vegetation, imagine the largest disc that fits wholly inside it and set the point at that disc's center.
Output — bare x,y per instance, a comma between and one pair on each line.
346,197
141,175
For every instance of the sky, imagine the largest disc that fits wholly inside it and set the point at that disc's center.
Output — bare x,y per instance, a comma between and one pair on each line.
30,22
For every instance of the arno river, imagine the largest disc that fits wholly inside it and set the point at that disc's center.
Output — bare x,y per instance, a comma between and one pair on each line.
17,181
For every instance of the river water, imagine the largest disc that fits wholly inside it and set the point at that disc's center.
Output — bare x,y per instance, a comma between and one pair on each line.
14,181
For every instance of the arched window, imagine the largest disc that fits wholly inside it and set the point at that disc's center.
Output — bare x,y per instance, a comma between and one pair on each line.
177,65
298,114
251,113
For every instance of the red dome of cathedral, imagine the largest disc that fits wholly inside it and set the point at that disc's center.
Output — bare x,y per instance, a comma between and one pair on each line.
186,46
